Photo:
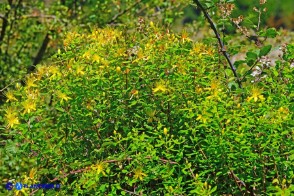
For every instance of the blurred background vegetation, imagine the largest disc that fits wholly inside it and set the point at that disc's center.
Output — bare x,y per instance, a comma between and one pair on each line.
279,13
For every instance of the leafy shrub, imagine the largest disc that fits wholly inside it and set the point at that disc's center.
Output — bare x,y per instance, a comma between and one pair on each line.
150,112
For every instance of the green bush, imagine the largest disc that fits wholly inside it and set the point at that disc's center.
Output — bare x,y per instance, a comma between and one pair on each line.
149,112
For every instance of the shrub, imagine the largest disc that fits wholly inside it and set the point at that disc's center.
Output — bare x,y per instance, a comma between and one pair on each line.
150,112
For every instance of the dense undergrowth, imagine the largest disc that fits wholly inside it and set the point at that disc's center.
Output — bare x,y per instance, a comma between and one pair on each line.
151,113
134,109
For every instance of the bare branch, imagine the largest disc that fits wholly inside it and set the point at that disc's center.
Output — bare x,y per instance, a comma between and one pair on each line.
247,72
241,183
107,161
4,25
221,44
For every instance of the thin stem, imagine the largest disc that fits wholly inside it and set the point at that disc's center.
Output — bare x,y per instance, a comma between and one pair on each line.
237,180
107,161
241,183
4,25
247,72
259,16
264,175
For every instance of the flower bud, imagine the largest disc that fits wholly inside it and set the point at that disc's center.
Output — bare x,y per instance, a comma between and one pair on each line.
165,131
118,69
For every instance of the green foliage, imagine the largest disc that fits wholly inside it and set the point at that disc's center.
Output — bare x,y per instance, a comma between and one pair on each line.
135,109
149,112
278,13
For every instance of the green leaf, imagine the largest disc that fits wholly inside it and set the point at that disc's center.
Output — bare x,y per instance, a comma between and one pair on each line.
265,50
251,56
213,189
102,187
238,63
60,109
272,33
233,85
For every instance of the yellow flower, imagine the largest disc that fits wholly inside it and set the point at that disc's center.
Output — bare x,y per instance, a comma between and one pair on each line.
197,48
209,51
283,110
214,85
87,54
90,104
282,113
62,96
181,68
33,94
185,36
26,179
96,58
138,174
54,70
10,111
41,71
118,69
69,38
198,89
32,173
30,82
134,92
31,177
29,106
120,52
10,97
11,117
215,94
80,70
201,118
160,87
151,24
255,94
21,192
100,167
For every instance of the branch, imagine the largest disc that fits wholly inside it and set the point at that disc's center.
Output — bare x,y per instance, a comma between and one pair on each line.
221,44
123,12
147,157
4,25
71,172
107,161
9,84
247,72
40,16
241,183
130,192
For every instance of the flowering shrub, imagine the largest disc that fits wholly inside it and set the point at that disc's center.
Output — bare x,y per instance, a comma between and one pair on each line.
32,30
150,112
